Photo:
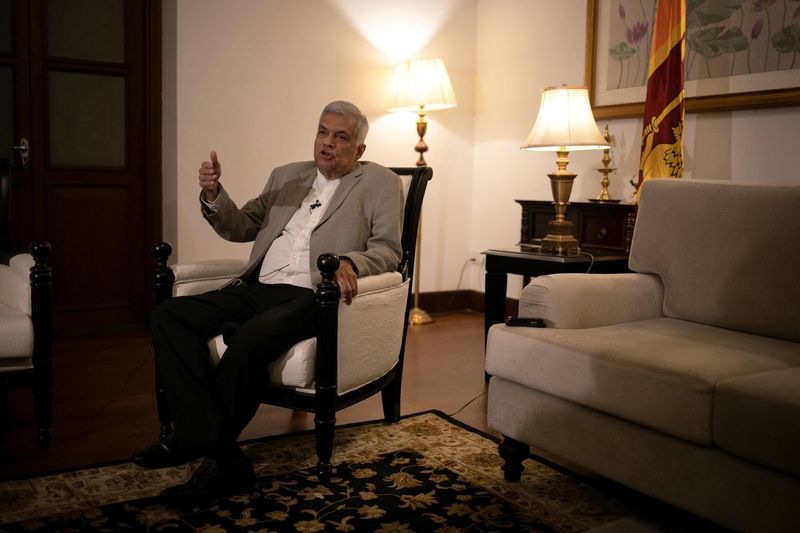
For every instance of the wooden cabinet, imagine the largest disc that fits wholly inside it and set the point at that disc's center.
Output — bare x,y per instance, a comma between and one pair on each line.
602,226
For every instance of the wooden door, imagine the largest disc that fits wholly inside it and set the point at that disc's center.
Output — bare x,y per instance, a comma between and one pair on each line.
83,81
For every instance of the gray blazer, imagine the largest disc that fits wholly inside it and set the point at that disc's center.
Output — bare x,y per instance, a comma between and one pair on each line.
363,220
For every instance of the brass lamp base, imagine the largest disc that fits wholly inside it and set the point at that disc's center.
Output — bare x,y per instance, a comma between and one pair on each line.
418,317
559,239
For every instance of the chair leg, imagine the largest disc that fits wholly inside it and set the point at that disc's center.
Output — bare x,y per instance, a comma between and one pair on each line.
164,417
3,407
43,405
390,396
323,429
163,281
513,453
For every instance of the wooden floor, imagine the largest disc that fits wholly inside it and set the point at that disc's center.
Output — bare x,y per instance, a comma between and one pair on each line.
105,408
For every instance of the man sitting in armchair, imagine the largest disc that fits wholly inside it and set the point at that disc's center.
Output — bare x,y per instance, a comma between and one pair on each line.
333,204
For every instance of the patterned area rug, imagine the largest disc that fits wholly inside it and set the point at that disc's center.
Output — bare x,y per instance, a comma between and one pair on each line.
424,473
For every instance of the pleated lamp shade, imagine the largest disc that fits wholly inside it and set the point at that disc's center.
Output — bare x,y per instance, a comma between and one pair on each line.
565,122
421,83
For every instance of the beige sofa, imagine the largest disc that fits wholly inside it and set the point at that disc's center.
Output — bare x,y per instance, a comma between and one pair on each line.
682,378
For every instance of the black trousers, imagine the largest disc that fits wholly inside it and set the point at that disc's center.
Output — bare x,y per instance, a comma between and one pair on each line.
210,404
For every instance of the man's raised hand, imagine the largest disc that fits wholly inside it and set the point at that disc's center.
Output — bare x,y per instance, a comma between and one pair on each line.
209,174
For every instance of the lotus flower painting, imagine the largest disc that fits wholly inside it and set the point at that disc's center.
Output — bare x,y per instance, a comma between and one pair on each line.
724,38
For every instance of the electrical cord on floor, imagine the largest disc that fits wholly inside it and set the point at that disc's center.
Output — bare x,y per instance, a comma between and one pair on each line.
460,279
467,404
590,257
108,404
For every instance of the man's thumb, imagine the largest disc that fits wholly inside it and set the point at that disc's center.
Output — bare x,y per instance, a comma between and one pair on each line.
214,157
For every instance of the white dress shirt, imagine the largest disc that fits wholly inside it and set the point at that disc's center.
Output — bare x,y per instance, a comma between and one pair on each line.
287,260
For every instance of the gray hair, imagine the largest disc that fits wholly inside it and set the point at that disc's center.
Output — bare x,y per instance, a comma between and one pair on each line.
341,107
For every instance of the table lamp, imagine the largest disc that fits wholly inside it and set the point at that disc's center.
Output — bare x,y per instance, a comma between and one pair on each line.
564,124
421,85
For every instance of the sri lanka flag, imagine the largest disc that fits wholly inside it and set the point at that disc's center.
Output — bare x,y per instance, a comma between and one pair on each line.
662,133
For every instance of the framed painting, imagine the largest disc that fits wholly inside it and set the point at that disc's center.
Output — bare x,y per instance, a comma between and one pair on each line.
739,54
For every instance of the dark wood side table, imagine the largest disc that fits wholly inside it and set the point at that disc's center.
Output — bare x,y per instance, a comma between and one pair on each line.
526,261
598,225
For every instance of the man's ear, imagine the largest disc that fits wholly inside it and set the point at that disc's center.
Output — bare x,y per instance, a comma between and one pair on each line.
360,151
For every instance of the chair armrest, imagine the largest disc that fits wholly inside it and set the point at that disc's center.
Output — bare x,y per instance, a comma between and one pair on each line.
186,279
592,300
204,276
371,330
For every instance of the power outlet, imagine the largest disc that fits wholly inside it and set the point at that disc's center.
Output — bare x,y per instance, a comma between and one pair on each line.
477,257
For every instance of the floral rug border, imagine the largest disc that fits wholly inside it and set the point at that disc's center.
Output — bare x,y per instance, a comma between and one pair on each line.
542,491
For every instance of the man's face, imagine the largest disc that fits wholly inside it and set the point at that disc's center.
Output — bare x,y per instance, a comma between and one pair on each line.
335,148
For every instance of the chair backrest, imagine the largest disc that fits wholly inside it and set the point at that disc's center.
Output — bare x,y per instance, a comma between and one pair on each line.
419,178
5,212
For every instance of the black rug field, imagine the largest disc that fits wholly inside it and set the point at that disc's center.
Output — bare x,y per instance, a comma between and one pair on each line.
424,473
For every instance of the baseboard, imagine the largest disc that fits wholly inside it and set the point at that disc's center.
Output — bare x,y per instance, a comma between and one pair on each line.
449,301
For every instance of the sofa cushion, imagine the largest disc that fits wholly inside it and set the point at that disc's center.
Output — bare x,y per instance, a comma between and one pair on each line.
758,417
727,259
661,373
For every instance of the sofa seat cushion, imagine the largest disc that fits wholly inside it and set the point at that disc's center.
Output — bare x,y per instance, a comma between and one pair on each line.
16,330
661,373
758,417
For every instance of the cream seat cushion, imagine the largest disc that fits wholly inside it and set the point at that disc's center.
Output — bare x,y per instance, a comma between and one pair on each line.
756,417
613,368
368,328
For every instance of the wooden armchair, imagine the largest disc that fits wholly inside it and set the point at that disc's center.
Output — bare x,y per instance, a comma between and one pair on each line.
26,353
360,347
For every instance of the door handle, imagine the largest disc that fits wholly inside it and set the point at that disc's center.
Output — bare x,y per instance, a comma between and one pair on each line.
24,150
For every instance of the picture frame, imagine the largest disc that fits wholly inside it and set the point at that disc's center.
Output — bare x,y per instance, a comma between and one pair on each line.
612,98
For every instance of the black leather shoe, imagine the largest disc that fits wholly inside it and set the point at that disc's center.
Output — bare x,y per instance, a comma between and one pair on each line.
213,478
161,455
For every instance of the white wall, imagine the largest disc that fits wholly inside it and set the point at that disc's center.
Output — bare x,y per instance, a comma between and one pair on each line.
249,77
516,45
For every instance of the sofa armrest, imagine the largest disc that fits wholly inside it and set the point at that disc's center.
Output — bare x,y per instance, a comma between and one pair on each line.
592,300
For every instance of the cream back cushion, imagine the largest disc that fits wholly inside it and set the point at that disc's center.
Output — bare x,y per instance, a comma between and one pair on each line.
16,327
727,252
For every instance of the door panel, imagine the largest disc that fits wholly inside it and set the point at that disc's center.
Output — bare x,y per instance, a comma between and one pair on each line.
7,112
15,116
86,119
112,205
72,35
6,27
79,73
